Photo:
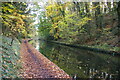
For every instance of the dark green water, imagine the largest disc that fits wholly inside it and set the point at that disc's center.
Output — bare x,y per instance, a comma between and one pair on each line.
83,63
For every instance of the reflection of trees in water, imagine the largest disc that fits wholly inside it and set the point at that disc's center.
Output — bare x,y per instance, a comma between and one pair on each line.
83,63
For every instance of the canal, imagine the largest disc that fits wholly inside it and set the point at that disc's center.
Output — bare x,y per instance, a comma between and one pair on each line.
83,63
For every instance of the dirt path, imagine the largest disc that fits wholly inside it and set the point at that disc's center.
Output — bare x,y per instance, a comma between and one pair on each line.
36,65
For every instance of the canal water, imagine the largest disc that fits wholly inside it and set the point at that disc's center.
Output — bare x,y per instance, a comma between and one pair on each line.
79,62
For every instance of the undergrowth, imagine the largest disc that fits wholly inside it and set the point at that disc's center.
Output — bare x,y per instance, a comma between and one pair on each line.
10,67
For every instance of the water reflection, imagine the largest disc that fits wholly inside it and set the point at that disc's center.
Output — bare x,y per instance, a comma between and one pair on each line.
82,63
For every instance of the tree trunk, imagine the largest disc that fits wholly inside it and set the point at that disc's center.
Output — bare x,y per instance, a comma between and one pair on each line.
78,8
88,26
11,42
109,6
87,10
98,16
118,12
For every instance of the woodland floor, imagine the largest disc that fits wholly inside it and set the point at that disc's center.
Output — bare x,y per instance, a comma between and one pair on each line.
36,65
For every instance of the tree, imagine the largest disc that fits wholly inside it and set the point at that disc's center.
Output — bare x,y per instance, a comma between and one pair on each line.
14,19
65,18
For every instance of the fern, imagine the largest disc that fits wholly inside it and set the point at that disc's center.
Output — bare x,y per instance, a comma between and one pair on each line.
9,57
